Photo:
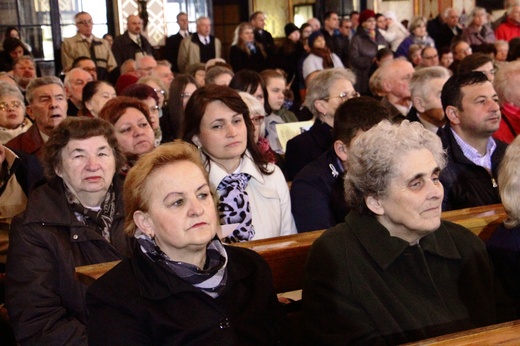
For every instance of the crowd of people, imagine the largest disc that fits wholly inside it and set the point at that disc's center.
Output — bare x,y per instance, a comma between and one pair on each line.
164,163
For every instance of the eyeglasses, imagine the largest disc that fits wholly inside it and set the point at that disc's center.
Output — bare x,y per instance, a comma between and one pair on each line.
258,120
154,108
12,105
344,96
159,91
85,22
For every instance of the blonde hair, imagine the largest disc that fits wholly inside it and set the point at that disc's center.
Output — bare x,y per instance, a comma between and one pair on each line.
509,183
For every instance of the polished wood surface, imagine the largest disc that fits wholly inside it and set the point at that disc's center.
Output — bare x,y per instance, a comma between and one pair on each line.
286,255
499,334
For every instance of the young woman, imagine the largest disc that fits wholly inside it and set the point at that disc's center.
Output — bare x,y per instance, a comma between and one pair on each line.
245,53
320,57
220,126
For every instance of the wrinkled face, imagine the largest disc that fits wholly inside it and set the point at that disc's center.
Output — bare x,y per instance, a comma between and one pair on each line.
48,107
104,93
87,167
259,22
164,74
135,25
400,82
84,24
189,89
430,103
134,134
488,69
153,108
461,51
430,57
514,15
130,68
223,134
412,207
447,60
89,66
275,88
16,53
182,20
247,35
369,24
12,111
24,72
74,88
480,114
204,27
339,87
332,22
420,30
502,51
146,66
452,19
181,212
319,42
381,22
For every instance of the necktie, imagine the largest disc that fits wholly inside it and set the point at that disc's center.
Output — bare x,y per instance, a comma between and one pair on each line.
234,206
206,41
92,51
138,41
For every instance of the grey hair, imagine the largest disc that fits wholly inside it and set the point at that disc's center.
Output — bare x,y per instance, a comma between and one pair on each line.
66,81
415,22
509,183
319,86
447,11
144,80
255,107
472,14
371,163
7,89
164,63
39,82
503,80
423,76
200,19
125,64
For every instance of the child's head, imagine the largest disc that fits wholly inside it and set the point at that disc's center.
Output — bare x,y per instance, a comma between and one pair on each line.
275,84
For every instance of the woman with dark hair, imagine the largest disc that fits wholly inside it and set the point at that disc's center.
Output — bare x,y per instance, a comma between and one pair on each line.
150,98
250,82
13,48
220,126
134,133
245,53
181,89
75,219
320,57
94,96
182,286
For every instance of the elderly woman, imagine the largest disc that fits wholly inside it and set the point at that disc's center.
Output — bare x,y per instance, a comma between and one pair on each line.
245,53
508,75
94,96
75,219
325,93
478,31
181,89
253,195
150,98
504,244
12,113
418,36
394,272
134,133
182,286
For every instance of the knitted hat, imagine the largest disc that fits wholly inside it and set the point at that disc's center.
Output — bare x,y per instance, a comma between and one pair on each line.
290,28
313,37
365,15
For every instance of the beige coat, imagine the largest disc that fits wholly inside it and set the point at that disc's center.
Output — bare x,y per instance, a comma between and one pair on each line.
189,52
75,46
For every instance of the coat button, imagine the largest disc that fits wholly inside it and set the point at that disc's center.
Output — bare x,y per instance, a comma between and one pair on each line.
224,323
75,237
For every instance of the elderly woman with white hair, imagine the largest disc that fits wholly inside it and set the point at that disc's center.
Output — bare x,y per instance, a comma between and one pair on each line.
509,99
394,272
478,31
418,36
12,113
395,28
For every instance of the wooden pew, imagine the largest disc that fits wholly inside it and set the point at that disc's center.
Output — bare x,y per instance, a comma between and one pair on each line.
286,255
499,334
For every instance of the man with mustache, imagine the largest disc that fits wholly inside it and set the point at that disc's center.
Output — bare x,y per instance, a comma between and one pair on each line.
471,107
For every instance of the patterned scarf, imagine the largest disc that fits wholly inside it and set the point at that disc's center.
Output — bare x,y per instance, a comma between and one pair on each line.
210,280
325,55
234,207
99,220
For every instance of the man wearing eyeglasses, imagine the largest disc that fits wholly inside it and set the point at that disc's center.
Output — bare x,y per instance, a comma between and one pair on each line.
47,108
75,81
84,43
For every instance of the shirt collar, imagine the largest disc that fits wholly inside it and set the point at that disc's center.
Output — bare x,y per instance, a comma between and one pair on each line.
473,155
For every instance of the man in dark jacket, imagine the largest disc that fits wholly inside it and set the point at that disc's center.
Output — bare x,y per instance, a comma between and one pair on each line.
470,103
132,44
262,36
173,43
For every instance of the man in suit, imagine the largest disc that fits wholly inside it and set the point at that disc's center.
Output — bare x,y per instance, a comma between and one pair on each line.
199,47
262,36
449,31
173,43
132,44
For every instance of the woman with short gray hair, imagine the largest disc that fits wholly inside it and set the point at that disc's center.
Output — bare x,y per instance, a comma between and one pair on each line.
12,113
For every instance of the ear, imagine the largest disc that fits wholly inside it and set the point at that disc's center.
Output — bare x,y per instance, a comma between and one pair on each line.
88,105
29,112
320,106
387,85
57,170
341,150
67,91
142,220
374,204
418,104
453,114
195,139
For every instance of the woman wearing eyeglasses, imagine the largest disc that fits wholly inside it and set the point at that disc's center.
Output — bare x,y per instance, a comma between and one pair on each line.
326,91
12,113
254,200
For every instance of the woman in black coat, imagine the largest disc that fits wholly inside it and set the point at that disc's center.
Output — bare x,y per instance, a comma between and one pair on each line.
245,53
